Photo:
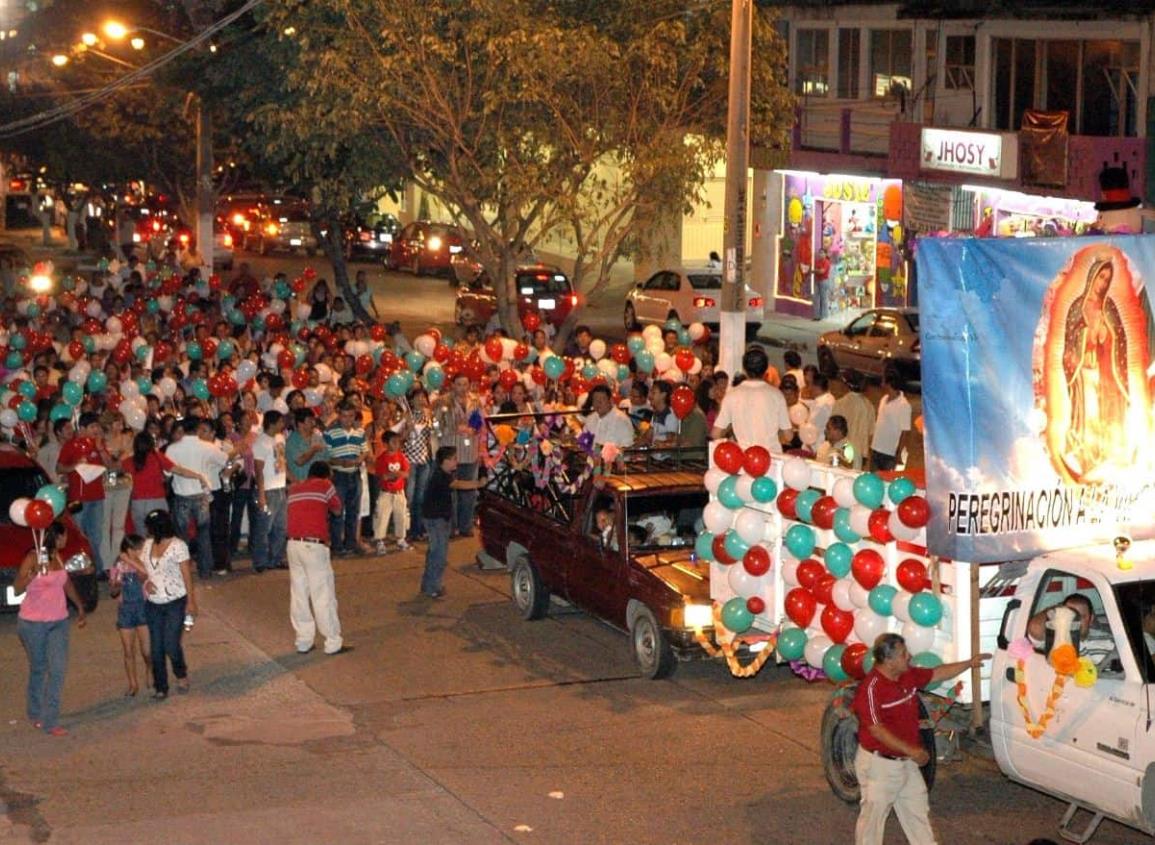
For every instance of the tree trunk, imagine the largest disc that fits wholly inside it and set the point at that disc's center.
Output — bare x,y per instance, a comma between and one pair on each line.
334,245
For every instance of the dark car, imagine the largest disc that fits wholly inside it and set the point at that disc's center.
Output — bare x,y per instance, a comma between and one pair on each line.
638,572
881,341
22,477
541,289
422,247
371,236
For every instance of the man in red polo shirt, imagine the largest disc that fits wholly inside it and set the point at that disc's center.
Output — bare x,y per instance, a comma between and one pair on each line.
310,568
86,447
890,750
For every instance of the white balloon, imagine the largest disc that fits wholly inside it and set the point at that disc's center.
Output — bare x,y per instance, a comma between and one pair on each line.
900,606
868,625
304,310
796,473
798,414
652,332
8,418
608,368
717,518
137,342
696,367
125,407
508,346
808,433
92,309
697,331
770,531
742,582
663,361
136,419
324,373
749,525
844,493
859,595
713,478
114,325
790,571
899,529
167,384
744,487
860,520
674,375
425,344
76,375
246,370
840,594
129,389
277,306
816,647
918,638
312,397
597,349
16,510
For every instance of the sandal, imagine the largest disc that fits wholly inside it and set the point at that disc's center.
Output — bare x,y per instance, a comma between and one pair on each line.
182,686
56,731
159,696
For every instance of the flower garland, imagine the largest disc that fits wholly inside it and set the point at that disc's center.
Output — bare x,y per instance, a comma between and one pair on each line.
1037,729
729,650
1067,665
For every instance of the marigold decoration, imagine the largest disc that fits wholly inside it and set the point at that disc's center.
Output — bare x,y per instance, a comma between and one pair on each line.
1087,673
1064,659
730,650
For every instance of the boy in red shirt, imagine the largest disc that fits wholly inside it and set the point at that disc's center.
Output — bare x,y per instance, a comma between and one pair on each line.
392,471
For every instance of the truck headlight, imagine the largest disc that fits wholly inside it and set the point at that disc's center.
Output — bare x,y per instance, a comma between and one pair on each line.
699,615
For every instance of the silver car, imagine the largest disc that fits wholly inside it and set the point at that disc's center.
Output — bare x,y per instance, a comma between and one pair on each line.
881,340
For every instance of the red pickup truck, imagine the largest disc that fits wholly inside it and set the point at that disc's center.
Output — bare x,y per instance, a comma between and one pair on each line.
621,549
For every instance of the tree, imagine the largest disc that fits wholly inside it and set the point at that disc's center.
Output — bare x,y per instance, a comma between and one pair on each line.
530,118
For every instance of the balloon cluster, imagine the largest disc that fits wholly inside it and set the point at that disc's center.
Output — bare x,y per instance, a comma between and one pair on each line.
37,513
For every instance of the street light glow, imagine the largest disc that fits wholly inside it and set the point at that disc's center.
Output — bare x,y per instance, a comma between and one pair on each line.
88,39
40,283
115,30
60,60
137,43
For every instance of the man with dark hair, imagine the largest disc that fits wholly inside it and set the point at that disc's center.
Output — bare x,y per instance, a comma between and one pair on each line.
80,457
755,410
857,411
192,501
793,362
893,427
890,749
606,423
304,446
832,451
579,344
437,513
270,469
347,449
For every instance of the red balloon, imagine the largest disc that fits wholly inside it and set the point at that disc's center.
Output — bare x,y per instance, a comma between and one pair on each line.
756,605
620,353
852,659
377,332
913,511
786,503
684,360
756,460
76,350
682,401
493,348
823,587
822,512
800,607
911,575
728,456
538,375
301,378
298,286
441,353
878,525
209,347
808,573
520,352
508,379
718,547
286,359
364,364
837,623
38,514
867,567
756,560
532,321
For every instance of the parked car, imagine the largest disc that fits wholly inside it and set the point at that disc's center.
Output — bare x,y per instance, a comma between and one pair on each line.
879,341
690,294
20,476
422,247
280,225
541,288
639,574
370,236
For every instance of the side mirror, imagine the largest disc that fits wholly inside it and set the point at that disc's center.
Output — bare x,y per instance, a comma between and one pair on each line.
1012,606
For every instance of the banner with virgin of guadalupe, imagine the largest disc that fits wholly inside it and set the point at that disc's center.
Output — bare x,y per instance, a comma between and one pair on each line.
1038,378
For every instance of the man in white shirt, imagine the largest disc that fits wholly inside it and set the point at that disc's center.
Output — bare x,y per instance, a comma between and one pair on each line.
822,405
270,467
191,499
608,424
832,451
858,413
755,410
893,427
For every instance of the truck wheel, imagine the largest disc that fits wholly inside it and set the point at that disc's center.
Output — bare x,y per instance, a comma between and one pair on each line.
529,593
651,647
840,745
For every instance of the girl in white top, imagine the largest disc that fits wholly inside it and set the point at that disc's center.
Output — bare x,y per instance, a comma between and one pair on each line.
170,599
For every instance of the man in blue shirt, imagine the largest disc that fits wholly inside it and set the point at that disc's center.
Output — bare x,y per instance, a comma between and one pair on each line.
347,449
304,446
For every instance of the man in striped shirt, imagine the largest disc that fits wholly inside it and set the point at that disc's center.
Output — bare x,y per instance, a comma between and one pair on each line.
312,594
347,450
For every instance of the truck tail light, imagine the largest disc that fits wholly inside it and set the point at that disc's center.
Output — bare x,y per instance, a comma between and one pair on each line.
704,302
573,299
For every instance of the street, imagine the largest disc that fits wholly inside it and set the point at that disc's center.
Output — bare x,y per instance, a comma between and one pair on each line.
451,722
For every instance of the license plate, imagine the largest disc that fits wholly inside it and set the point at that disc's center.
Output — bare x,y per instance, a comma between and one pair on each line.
547,304
11,598
294,241
388,239
453,250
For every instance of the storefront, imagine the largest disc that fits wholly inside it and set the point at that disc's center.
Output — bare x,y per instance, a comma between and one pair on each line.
840,236
1010,214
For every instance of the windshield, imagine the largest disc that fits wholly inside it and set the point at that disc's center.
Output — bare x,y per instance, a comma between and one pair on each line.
912,318
534,284
705,281
20,482
1136,600
660,521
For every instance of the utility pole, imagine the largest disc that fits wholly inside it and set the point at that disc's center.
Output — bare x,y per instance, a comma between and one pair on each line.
206,196
732,328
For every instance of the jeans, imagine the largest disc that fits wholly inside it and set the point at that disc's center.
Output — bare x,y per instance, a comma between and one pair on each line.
90,521
195,510
46,644
220,510
821,298
244,500
141,508
267,535
415,495
436,556
165,629
464,501
343,528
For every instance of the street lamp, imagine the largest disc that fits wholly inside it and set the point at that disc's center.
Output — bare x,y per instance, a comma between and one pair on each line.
60,60
89,39
137,43
115,30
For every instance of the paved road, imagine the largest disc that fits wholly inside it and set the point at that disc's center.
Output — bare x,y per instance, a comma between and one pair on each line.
451,722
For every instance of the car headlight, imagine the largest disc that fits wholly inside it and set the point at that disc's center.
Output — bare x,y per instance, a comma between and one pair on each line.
77,563
698,615
434,243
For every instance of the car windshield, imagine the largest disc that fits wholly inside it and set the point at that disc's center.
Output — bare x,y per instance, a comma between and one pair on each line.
912,318
660,521
705,281
536,284
19,482
1136,600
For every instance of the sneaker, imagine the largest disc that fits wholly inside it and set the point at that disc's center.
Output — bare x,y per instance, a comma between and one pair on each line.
436,594
403,546
345,649
381,547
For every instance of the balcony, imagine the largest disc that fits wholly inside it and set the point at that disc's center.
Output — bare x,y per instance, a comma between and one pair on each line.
852,134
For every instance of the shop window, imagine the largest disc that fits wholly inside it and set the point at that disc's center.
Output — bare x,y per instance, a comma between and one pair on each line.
849,58
959,74
1110,76
812,62
1014,80
890,62
1063,79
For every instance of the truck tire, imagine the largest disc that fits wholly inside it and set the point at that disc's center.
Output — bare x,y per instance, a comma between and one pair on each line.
840,744
530,595
652,651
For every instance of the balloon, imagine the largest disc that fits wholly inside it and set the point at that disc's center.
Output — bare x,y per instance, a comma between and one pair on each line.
756,605
8,418
200,389
713,478
823,588
744,487
597,349
837,623
225,350
900,606
913,511
193,350
144,384
816,648
425,344
72,393
911,575
395,386
838,558
684,360
17,509
868,661
717,517
859,595
728,495
900,529
804,502
26,411
703,546
27,389
822,512
54,496
736,616
868,625
869,490
800,540
929,660
718,547
756,560
790,571
798,414
742,582
808,573
925,609
728,456
832,663
763,489
786,503
877,524
38,514
808,434
434,378
644,361
840,595
796,474
901,488
553,366
735,546
918,638
791,643
748,524
842,529
682,401
60,411
800,606
97,381
860,520
868,568
852,657
882,599
756,460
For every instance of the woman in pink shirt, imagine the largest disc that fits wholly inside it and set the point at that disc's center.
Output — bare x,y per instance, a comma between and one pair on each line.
43,626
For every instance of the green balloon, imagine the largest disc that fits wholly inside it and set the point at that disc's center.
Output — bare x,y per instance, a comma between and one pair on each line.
144,383
395,386
869,490
28,389
434,377
925,609
704,546
26,411
89,343
927,660
14,360
200,389
736,616
764,489
54,496
225,350
868,661
792,644
800,541
832,663
194,350
553,366
842,529
880,599
838,558
900,488
97,381
735,546
728,493
72,392
805,502
61,411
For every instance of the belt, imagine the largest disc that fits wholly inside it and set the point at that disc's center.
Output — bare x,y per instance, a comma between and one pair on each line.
888,756
310,540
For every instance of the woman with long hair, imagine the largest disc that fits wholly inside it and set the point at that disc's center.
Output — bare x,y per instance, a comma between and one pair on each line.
147,465
170,599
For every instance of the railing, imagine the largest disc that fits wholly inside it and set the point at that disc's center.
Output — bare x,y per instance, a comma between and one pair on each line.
847,126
